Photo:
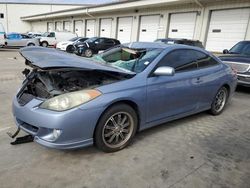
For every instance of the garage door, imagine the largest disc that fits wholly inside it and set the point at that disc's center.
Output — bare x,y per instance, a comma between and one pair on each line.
78,28
227,27
50,26
149,26
58,26
66,25
105,27
182,25
124,29
90,28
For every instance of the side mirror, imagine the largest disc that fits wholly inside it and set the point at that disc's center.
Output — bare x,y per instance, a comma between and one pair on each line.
225,51
164,71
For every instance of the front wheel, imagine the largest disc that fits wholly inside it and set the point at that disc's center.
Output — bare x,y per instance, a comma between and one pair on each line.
116,128
88,53
45,44
219,101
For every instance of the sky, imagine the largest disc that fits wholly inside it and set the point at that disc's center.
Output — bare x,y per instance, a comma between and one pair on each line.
59,1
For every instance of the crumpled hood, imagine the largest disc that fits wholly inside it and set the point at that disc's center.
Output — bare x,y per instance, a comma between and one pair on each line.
235,58
45,58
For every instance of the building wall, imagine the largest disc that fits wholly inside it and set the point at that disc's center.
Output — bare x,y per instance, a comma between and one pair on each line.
13,13
201,27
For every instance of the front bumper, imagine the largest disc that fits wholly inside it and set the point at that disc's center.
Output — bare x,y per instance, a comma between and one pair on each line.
244,79
77,125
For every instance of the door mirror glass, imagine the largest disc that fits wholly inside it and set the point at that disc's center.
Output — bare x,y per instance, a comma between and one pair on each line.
164,71
225,51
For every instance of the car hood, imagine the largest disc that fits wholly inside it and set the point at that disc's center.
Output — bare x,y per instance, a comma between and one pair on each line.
235,58
47,58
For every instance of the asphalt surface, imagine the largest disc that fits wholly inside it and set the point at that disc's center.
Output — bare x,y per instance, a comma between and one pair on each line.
197,151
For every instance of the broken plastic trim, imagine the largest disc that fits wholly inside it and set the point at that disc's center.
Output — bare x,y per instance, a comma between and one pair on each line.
20,140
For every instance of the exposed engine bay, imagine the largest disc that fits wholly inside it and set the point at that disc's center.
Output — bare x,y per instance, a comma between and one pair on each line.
46,84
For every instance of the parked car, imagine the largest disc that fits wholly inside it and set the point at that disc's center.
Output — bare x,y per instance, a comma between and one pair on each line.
238,57
68,102
188,42
64,44
94,45
34,34
20,40
2,35
52,38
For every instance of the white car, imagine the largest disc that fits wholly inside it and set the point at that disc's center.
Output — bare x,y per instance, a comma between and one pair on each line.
64,44
52,38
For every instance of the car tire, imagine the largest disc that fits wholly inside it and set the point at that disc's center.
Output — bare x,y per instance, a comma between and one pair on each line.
88,53
44,44
70,49
116,128
31,44
220,101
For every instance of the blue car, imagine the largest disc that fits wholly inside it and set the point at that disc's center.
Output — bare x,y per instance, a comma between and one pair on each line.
69,102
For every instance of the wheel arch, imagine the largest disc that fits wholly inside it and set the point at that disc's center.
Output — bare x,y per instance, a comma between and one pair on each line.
128,102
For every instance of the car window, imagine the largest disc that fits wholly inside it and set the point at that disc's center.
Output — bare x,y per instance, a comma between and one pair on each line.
82,40
204,60
109,41
180,60
186,60
52,34
134,60
25,36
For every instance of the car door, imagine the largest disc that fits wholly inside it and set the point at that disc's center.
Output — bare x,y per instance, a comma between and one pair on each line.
173,95
14,40
209,73
25,39
107,43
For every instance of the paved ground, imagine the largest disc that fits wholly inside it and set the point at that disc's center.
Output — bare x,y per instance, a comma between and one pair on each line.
196,152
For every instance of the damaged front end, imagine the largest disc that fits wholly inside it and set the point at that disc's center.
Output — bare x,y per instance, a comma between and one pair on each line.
46,84
57,86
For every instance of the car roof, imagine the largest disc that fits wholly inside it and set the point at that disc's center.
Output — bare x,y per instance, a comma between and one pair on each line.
143,45
179,39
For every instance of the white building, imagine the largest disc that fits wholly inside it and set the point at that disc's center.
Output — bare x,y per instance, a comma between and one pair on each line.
11,13
219,24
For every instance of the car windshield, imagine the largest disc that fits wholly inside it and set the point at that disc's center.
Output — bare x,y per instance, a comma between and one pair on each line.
74,39
91,39
131,60
241,48
45,34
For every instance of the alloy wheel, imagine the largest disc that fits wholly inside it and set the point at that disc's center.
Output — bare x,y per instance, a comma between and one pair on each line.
118,129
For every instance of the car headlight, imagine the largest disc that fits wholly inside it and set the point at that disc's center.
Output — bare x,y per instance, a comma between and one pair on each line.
70,100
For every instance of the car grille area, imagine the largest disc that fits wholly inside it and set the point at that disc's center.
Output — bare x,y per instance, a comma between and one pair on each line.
27,126
24,98
240,67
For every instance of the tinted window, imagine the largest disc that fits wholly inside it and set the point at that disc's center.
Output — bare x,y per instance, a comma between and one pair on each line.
109,41
25,36
241,48
181,60
82,40
52,34
204,60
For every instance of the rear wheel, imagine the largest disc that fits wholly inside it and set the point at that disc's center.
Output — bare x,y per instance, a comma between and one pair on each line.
116,128
88,53
219,101
45,44
70,49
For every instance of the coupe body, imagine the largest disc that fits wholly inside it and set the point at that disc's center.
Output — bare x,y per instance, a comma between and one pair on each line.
69,102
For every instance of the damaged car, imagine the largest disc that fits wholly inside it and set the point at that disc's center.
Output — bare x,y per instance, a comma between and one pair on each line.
68,102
